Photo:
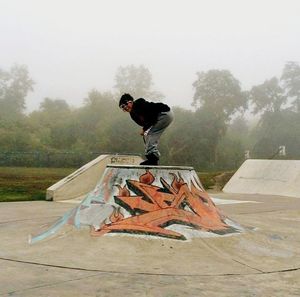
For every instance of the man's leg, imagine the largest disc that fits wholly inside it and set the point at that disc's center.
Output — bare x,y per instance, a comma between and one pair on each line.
152,138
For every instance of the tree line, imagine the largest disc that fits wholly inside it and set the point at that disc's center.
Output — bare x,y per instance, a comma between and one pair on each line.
213,134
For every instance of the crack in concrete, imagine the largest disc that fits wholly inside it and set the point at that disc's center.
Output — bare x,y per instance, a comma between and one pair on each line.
246,265
219,252
49,285
152,273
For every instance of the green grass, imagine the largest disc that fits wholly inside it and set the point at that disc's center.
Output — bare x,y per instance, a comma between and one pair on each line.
28,184
214,180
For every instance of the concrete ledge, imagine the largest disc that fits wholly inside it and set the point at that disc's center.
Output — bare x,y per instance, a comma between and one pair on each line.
82,181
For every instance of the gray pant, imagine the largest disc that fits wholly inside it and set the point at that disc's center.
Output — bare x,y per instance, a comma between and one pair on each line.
152,135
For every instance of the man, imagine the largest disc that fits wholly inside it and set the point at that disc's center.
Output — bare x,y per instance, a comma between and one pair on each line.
153,117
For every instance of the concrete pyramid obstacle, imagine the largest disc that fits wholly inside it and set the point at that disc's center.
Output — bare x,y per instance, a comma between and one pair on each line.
160,201
266,177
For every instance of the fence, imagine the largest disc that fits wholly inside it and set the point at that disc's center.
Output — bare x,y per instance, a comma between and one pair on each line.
47,159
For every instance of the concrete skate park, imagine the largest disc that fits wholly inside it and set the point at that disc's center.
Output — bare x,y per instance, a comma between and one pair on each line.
116,228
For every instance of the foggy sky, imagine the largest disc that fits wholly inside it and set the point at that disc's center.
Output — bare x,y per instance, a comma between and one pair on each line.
71,47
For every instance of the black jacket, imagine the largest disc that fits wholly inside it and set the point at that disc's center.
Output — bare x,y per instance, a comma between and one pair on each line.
145,113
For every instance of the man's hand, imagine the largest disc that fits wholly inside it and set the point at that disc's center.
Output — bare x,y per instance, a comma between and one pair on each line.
145,133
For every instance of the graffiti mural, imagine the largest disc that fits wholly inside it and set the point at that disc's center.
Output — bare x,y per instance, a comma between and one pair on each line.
162,201
153,208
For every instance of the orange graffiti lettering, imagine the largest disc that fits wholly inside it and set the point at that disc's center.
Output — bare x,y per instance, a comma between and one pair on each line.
154,208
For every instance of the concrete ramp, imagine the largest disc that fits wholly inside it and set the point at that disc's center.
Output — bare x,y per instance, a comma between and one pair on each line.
159,201
79,183
268,177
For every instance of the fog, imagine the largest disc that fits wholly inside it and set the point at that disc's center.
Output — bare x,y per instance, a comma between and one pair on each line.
71,47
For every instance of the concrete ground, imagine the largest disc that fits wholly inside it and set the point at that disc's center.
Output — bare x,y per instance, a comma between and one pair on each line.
262,261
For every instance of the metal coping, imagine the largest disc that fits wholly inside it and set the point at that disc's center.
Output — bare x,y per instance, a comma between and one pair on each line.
148,166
